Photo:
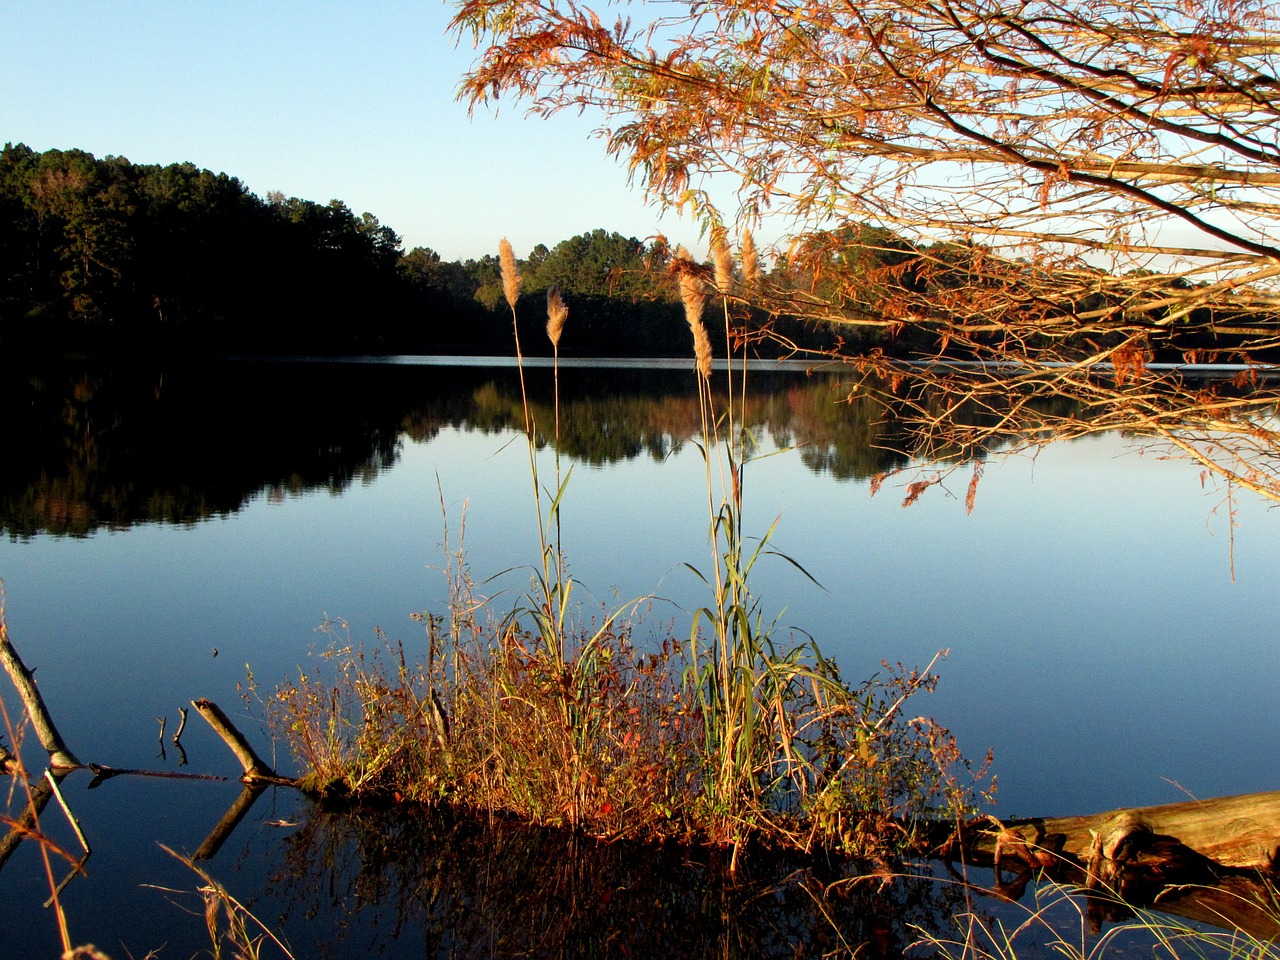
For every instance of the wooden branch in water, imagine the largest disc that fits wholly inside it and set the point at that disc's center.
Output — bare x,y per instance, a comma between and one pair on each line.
60,758
255,769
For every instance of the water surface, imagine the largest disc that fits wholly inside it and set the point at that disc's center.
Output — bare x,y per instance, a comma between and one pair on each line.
169,531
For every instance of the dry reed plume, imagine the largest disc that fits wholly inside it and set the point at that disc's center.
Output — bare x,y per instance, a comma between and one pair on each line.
511,278
750,263
557,314
721,261
693,295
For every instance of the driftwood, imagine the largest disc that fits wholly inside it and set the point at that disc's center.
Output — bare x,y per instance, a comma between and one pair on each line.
1209,860
1239,833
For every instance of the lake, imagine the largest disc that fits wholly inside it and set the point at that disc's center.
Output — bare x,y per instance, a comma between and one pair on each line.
171,528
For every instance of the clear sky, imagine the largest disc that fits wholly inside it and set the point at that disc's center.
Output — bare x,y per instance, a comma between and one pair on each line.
354,101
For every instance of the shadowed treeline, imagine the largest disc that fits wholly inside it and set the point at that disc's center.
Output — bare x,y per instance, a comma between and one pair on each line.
91,446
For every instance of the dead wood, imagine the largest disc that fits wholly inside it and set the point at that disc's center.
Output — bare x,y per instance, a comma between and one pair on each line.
60,758
1227,833
256,770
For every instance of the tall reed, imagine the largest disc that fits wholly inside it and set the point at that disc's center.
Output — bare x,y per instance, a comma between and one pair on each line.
754,695
572,663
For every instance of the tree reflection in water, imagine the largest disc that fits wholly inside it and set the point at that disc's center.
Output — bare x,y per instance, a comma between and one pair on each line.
93,446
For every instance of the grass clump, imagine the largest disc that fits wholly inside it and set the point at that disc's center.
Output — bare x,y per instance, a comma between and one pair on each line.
725,736
1065,921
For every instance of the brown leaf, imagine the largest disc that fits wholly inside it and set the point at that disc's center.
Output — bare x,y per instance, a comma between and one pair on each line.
915,489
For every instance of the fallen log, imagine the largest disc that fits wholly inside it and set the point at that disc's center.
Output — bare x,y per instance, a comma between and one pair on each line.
1232,833
1210,860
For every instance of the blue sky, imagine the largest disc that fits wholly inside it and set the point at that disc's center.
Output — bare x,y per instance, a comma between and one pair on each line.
317,100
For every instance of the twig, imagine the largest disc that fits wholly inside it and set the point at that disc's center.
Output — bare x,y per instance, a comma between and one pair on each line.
71,817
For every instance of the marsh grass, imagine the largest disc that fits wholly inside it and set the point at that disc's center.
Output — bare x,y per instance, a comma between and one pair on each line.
1064,921
551,715
235,932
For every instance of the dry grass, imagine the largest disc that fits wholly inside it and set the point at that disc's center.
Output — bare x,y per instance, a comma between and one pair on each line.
1063,921
621,748
235,932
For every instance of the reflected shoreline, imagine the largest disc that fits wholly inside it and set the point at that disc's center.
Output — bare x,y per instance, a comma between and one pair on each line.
96,446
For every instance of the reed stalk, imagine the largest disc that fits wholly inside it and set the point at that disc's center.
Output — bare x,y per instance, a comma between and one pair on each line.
554,590
557,314
738,684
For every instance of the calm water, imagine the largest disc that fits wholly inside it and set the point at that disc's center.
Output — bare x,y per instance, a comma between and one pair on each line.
168,531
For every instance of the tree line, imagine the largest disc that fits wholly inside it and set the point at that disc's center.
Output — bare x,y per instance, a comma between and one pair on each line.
108,254
105,253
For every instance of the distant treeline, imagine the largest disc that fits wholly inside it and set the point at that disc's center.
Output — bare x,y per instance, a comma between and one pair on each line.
104,253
